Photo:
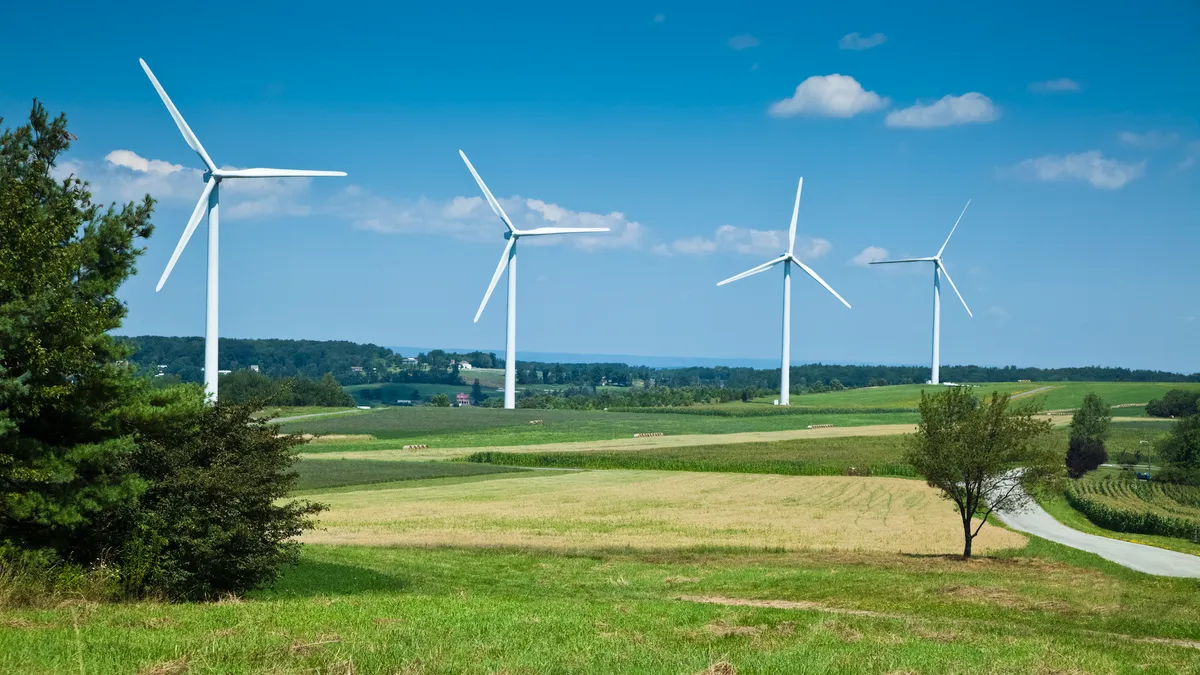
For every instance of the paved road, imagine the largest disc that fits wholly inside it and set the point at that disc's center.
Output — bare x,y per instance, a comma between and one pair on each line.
1140,557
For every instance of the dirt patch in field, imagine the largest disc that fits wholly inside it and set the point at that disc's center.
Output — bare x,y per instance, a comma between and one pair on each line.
719,668
337,438
783,604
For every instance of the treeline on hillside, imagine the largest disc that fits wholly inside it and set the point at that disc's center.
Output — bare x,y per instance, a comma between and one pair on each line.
352,363
348,362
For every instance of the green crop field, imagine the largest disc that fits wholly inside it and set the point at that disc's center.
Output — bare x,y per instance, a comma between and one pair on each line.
475,427
1115,500
320,475
860,455
1057,395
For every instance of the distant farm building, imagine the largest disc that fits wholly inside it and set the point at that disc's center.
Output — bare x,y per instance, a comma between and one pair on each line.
356,369
463,365
463,399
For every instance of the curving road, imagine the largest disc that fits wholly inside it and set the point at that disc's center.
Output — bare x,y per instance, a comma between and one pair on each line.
1148,559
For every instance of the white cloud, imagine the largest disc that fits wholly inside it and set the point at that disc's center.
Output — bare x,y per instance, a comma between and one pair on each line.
950,110
998,312
830,96
869,255
746,241
857,42
126,176
1060,85
1148,141
659,18
1091,167
470,218
744,41
1193,153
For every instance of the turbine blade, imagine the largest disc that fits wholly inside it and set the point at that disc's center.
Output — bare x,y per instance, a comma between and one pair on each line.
197,214
496,277
795,212
560,230
488,193
273,173
942,267
906,260
943,248
179,121
819,280
754,270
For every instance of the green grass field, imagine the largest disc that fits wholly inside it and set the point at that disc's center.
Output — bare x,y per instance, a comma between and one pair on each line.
476,427
866,455
1059,396
1042,609
320,475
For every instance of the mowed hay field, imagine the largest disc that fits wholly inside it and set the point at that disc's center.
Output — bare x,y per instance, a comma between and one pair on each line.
658,510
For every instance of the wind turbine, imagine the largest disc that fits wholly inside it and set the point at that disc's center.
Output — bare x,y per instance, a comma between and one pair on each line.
509,259
939,268
787,259
210,201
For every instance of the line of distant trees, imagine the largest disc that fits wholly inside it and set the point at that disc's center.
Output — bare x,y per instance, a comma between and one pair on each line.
352,363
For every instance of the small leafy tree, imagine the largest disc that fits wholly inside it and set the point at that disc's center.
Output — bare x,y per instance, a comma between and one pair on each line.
1089,430
1180,452
982,456
440,401
1084,454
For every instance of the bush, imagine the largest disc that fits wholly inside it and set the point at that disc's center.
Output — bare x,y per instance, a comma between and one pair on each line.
1084,455
212,520
1180,452
440,401
1175,403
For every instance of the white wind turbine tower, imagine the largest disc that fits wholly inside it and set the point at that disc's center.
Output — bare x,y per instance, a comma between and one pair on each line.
210,201
939,268
787,260
509,259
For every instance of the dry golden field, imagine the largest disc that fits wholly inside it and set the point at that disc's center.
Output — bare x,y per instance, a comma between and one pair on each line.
650,510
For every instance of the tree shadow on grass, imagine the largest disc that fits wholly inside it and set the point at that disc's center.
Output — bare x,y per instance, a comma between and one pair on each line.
312,578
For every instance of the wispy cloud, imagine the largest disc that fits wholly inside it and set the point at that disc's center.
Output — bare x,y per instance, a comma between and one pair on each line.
998,312
858,42
1091,167
470,219
869,255
828,96
1150,140
1058,86
743,41
659,18
1193,153
972,108
745,241
126,176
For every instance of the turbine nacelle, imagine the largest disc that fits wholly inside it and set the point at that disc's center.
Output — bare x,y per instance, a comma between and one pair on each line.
511,234
938,265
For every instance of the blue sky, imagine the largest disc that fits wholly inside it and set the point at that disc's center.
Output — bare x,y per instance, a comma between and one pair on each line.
685,129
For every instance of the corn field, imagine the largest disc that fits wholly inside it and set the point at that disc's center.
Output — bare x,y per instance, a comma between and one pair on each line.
1119,503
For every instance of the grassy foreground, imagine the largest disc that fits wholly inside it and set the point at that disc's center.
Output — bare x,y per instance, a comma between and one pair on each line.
1044,609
